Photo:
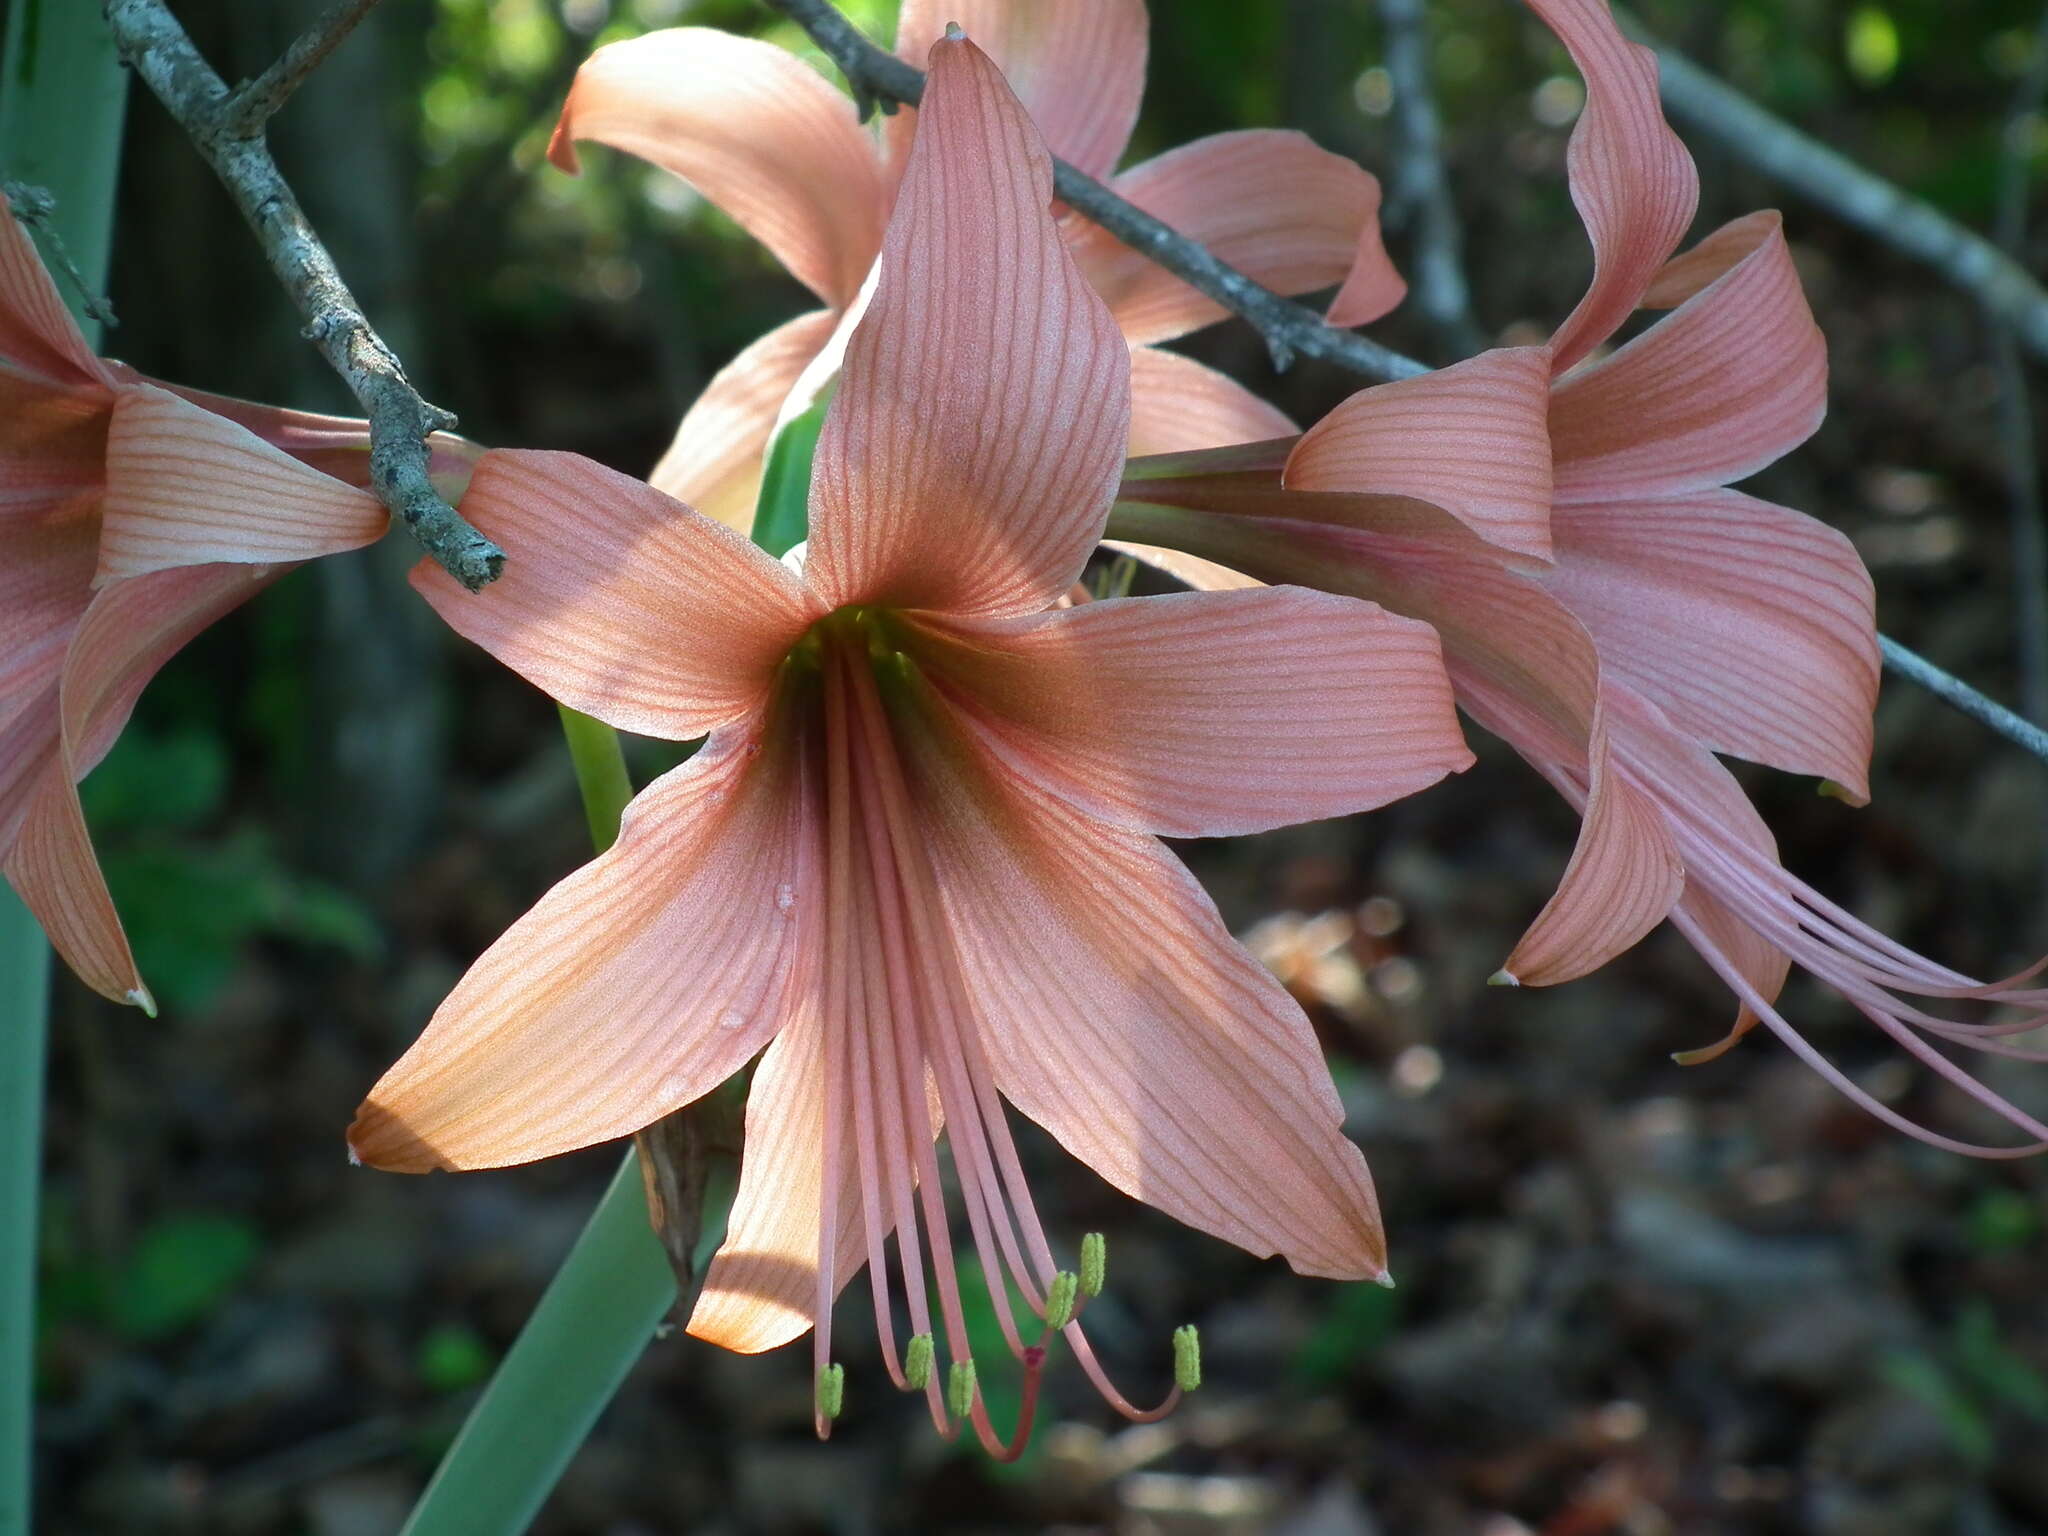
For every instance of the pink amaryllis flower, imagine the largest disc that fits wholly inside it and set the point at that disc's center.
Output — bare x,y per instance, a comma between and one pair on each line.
916,856
1617,614
772,143
131,517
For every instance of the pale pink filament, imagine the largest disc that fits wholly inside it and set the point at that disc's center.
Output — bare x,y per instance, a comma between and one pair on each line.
899,1022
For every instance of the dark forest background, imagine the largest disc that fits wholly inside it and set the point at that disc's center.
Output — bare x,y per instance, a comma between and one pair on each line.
1634,1298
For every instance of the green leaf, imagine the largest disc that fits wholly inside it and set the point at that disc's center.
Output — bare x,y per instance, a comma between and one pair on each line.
782,518
183,1267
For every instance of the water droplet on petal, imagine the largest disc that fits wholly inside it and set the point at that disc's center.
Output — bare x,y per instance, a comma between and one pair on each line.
785,899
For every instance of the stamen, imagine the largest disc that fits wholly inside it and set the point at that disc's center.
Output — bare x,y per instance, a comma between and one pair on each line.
1187,1357
831,1393
960,1388
1059,1300
917,1366
1094,1263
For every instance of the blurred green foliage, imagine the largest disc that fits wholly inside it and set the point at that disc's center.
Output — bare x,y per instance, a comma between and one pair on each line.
178,1270
452,1357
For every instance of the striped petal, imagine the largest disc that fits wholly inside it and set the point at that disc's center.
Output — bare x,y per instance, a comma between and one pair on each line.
619,601
1077,65
1268,202
1178,404
1733,379
37,334
1472,438
1751,626
751,127
1634,184
1119,1014
1208,714
968,459
187,487
634,987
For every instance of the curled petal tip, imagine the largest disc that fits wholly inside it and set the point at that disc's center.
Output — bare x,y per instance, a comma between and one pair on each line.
1503,978
139,996
562,149
353,1160
1384,1279
955,33
380,1139
1842,792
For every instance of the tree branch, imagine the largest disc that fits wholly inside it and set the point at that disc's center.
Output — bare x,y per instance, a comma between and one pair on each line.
1845,189
257,101
1419,187
227,129
1289,329
1916,668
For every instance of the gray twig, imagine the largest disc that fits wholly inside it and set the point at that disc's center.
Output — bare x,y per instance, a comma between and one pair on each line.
228,131
2015,408
1289,329
257,101
876,76
1845,189
1916,668
1420,190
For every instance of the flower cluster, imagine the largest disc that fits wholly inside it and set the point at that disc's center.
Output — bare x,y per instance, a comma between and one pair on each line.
914,871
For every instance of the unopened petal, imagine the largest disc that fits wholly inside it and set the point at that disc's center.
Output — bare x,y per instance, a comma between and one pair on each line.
1753,627
619,601
1077,65
1473,439
1267,201
751,127
714,464
1631,178
1733,379
634,987
1210,714
968,459
187,487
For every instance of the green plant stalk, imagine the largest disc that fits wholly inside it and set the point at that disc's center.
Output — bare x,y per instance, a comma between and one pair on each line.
616,1285
597,1315
61,98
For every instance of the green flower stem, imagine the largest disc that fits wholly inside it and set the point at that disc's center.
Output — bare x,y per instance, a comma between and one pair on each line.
598,1314
61,96
600,774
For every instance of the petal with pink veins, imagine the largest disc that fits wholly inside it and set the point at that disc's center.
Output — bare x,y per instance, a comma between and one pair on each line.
1634,184
1472,438
1731,380
754,129
37,334
1077,65
619,601
1753,627
1269,202
127,634
634,987
1623,879
45,585
1708,259
1179,404
1208,714
979,487
187,487
762,1287
1119,1014
715,462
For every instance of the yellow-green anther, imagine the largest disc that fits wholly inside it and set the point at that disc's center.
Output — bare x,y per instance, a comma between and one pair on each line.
1059,1299
831,1391
960,1388
1187,1357
1094,1263
917,1362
